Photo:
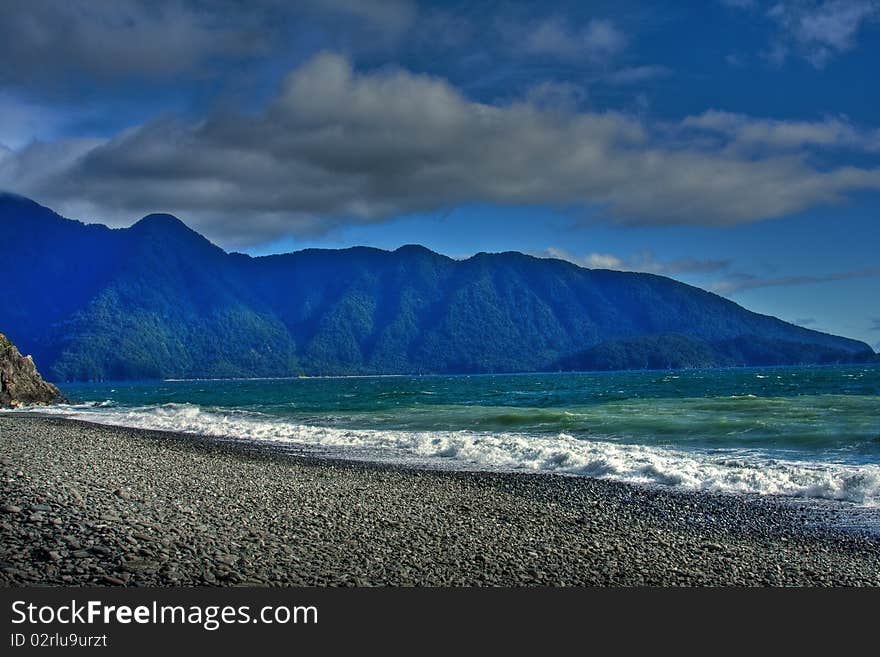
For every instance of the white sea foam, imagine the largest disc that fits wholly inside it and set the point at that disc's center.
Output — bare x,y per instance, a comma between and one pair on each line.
735,471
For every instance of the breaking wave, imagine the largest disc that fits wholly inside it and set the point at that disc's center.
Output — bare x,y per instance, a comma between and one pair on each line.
731,470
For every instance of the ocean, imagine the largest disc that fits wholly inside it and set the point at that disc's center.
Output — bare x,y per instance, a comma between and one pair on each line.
808,432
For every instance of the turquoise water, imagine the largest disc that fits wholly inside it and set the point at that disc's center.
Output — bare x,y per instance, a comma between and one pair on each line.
809,432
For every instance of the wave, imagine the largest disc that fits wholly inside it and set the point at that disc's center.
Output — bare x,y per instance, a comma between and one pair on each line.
745,471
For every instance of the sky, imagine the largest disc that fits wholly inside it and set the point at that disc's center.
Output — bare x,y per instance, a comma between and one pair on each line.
730,144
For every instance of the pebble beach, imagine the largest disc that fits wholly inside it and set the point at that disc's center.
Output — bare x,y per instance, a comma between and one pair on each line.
85,504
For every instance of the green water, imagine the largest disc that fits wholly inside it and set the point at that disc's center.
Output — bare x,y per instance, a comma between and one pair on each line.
812,431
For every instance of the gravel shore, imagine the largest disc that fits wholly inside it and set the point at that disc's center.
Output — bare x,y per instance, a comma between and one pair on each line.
84,504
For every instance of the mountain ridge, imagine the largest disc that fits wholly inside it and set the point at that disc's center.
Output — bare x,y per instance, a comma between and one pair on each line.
159,300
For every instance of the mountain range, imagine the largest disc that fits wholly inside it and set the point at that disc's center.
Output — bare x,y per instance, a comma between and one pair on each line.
158,300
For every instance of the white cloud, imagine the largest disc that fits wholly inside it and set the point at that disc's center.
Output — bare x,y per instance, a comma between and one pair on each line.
598,40
637,74
593,260
747,132
824,29
740,282
730,282
340,146
814,30
392,16
551,94
640,262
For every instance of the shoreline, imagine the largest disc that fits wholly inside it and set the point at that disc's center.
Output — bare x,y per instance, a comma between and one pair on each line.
95,504
830,514
393,375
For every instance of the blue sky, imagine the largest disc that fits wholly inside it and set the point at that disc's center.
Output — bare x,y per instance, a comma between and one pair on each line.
731,144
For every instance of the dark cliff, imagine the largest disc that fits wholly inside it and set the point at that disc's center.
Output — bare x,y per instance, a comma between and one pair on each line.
20,383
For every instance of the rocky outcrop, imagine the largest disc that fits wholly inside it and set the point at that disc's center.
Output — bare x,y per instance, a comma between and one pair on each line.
20,383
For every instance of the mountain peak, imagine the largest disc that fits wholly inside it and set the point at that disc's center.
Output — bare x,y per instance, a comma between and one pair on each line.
22,212
163,228
12,202
12,197
417,250
161,219
166,225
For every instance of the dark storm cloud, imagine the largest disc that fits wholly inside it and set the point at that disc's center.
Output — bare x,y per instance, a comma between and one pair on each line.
157,40
340,146
53,38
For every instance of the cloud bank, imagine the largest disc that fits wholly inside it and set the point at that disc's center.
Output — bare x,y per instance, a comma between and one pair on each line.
338,146
159,40
50,39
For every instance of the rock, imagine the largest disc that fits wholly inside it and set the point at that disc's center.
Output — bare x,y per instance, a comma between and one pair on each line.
138,565
20,383
11,508
109,579
72,542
